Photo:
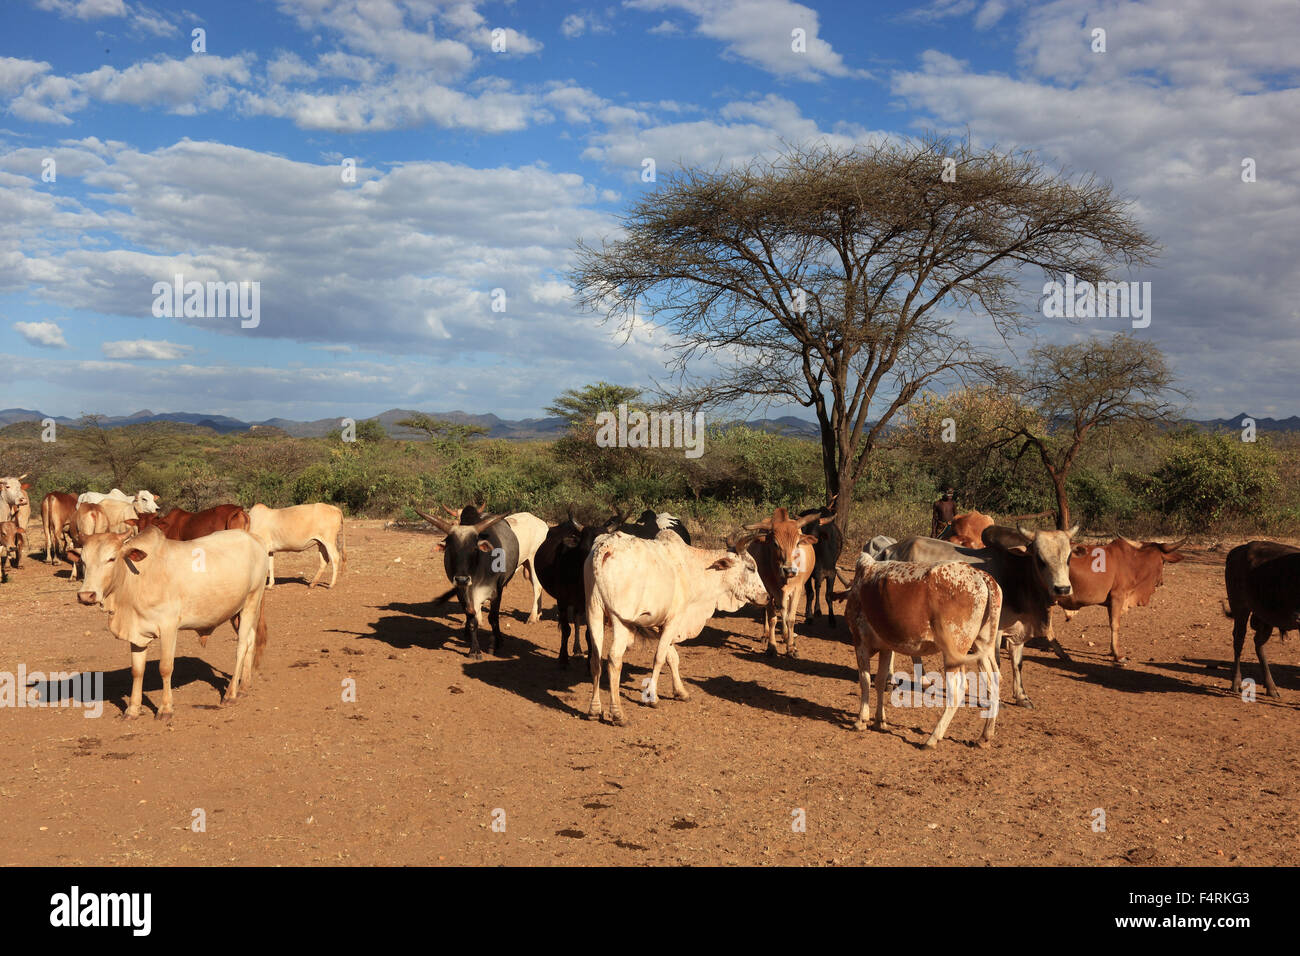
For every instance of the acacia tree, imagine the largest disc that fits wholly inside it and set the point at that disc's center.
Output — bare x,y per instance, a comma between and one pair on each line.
121,449
1078,388
580,406
834,277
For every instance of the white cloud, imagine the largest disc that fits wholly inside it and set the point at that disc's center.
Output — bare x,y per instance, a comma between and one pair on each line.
760,32
145,349
573,26
45,334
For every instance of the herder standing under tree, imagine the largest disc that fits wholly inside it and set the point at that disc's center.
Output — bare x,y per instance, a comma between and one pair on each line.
945,509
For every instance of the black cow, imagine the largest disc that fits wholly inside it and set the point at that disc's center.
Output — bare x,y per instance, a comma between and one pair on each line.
1263,582
830,542
559,564
650,524
480,555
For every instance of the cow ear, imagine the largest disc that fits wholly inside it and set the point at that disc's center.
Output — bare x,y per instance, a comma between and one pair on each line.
74,555
135,554
441,545
723,563
485,546
26,485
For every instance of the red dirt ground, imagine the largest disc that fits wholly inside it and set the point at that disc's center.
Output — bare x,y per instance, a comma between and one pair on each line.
412,772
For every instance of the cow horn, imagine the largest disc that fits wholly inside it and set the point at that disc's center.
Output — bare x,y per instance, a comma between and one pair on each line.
454,514
740,541
807,520
438,523
764,525
1167,547
487,523
571,512
1021,528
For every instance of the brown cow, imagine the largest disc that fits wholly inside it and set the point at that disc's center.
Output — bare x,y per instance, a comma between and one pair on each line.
58,513
966,530
12,544
785,558
181,525
1118,576
950,609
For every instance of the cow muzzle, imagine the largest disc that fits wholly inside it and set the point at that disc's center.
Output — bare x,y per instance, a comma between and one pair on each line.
461,580
1061,590
789,572
87,598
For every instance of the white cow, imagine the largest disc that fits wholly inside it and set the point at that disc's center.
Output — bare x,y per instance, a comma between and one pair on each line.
153,588
14,503
530,531
144,502
662,589
298,528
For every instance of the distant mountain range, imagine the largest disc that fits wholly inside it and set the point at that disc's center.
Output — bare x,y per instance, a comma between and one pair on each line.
524,429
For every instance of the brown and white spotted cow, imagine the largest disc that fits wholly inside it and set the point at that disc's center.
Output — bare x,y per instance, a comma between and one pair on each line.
949,609
785,558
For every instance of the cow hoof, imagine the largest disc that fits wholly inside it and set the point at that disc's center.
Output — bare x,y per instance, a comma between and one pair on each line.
595,715
618,720
683,697
983,744
770,650
1026,702
794,655
860,725
476,655
931,744
164,716
127,715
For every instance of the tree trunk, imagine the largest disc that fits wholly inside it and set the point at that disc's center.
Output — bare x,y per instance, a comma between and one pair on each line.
1062,506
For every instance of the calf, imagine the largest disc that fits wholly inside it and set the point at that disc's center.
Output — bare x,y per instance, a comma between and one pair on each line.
153,588
827,549
58,513
298,528
181,525
12,544
1263,583
1119,575
950,609
480,555
559,563
144,502
663,590
784,556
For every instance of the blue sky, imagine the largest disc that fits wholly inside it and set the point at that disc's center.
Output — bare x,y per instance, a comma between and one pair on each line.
479,170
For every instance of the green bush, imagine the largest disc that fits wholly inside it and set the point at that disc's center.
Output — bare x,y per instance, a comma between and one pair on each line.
1208,478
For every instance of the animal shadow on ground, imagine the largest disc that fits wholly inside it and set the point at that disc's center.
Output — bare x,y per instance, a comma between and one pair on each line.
117,684
413,626
1130,680
532,675
1285,676
753,694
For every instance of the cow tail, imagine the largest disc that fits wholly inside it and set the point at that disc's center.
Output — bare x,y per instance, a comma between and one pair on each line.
259,643
343,551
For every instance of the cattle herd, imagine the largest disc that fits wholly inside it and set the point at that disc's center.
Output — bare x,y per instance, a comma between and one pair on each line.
960,597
